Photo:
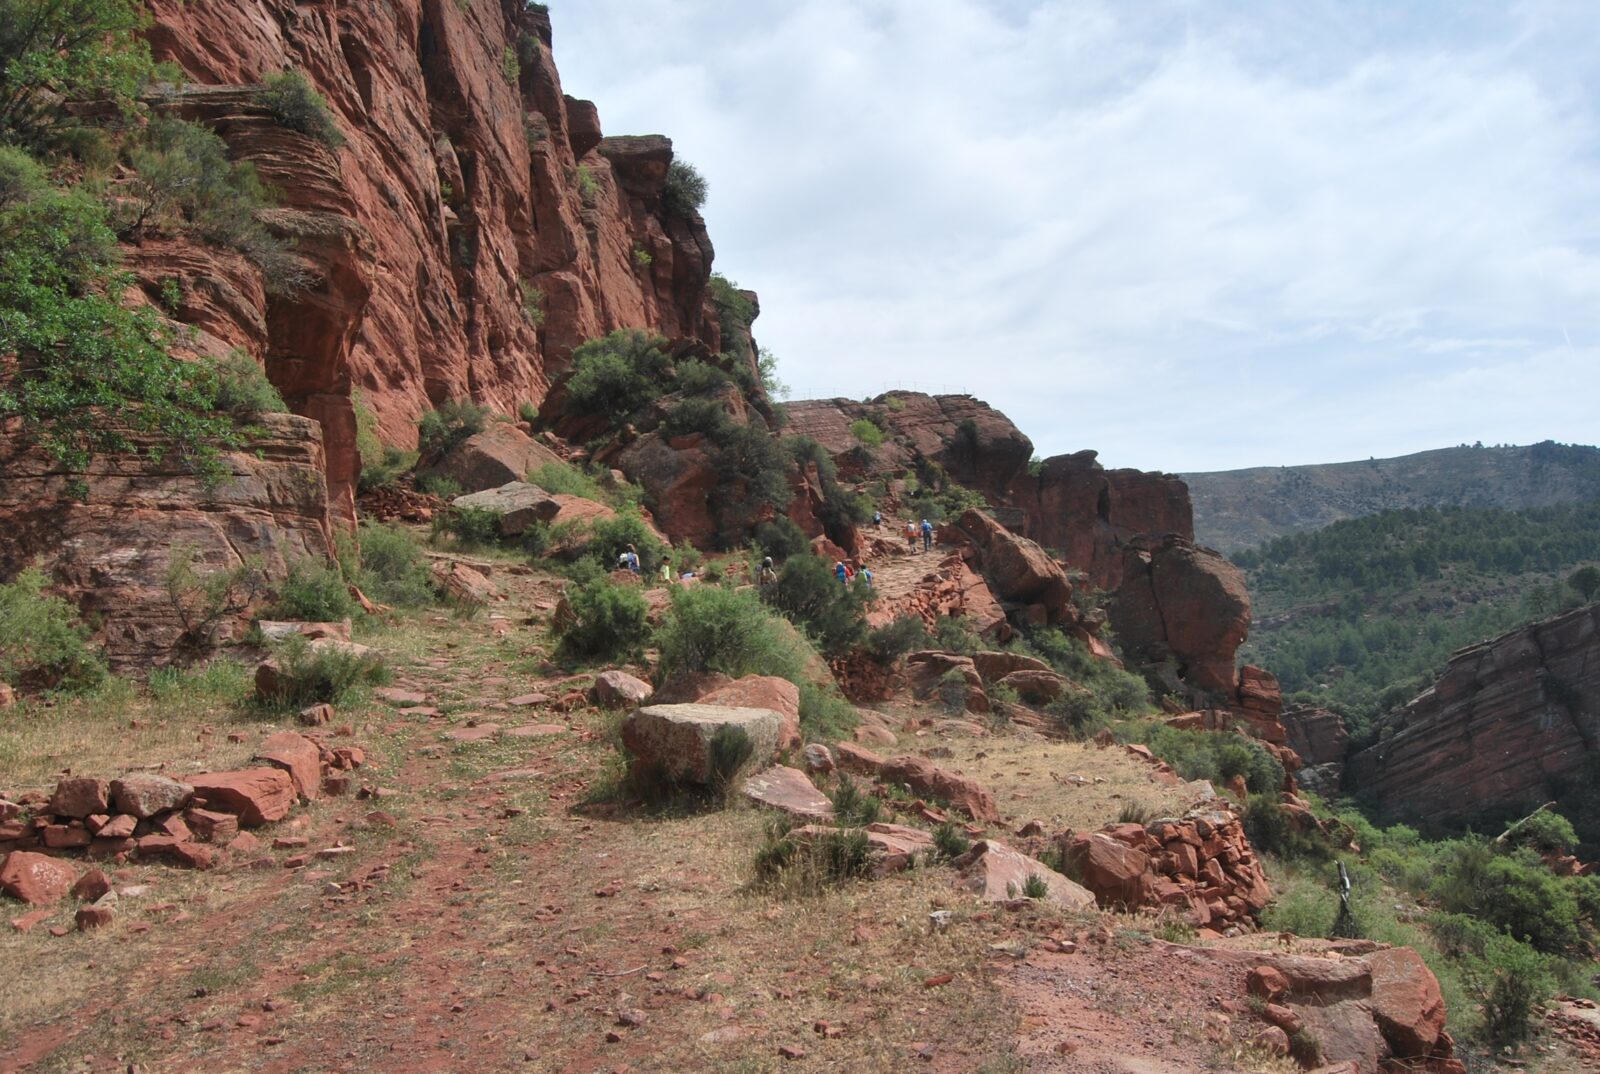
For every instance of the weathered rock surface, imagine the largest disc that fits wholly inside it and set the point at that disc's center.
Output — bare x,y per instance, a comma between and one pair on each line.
1019,570
925,777
297,755
615,688
36,879
500,455
1320,739
1072,505
109,553
79,796
143,794
256,796
997,873
789,790
519,505
676,739
762,692
1509,725
1184,607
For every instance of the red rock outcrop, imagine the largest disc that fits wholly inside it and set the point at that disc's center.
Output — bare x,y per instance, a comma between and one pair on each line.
1019,571
1070,504
464,176
1320,738
1185,607
1510,724
108,551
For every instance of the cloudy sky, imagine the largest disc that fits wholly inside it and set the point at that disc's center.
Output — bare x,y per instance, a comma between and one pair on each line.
1190,234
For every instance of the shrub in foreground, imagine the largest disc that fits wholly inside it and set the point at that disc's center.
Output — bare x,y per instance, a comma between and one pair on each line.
607,620
314,592
311,675
43,643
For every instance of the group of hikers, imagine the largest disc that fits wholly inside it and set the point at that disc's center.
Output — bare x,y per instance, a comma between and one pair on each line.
913,531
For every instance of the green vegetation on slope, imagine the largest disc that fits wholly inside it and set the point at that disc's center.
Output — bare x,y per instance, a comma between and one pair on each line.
1361,615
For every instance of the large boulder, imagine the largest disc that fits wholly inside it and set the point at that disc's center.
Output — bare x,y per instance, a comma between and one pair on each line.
462,582
502,453
763,692
997,873
925,777
256,796
1018,569
519,505
36,879
993,666
1406,1002
1185,605
675,740
1036,687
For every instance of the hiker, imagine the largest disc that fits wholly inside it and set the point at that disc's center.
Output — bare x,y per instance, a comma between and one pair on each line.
927,535
666,570
911,536
866,575
877,519
841,572
631,558
768,575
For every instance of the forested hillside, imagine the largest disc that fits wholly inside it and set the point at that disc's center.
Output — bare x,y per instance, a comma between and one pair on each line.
1239,509
1360,615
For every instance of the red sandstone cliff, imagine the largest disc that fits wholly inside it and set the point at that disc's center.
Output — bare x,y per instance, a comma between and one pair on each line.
456,187
1072,505
1510,724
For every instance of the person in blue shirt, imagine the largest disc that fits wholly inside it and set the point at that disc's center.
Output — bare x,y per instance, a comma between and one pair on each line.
841,572
866,575
927,535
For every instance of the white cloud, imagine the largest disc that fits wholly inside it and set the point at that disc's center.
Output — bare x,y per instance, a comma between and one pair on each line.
1185,234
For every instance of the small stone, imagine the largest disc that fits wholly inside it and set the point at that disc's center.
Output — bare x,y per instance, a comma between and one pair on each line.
791,1051
94,917
91,886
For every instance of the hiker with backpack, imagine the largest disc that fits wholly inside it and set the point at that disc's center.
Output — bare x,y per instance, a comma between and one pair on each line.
927,535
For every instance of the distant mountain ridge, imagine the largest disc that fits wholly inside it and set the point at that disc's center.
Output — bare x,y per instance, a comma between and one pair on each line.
1237,509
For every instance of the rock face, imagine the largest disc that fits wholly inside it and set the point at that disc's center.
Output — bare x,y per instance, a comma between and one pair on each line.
675,740
1320,738
925,777
108,553
762,692
1183,607
1019,570
1511,723
1071,505
460,181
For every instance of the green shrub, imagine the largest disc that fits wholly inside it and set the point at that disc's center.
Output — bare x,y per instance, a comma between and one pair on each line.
54,54
735,310
510,66
296,104
182,178
446,488
1214,757
727,755
201,601
851,806
393,568
728,631
43,644
696,415
533,300
684,191
381,466
588,186
949,841
82,357
781,538
243,391
1545,832
824,715
1035,887
810,596
891,641
695,377
21,177
761,468
314,592
438,431
1511,983
1515,892
867,434
610,537
804,450
470,527
617,376
607,620
311,675
953,634
786,866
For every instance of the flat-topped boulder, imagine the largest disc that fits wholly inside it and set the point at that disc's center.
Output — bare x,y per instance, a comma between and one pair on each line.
519,504
256,796
676,740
